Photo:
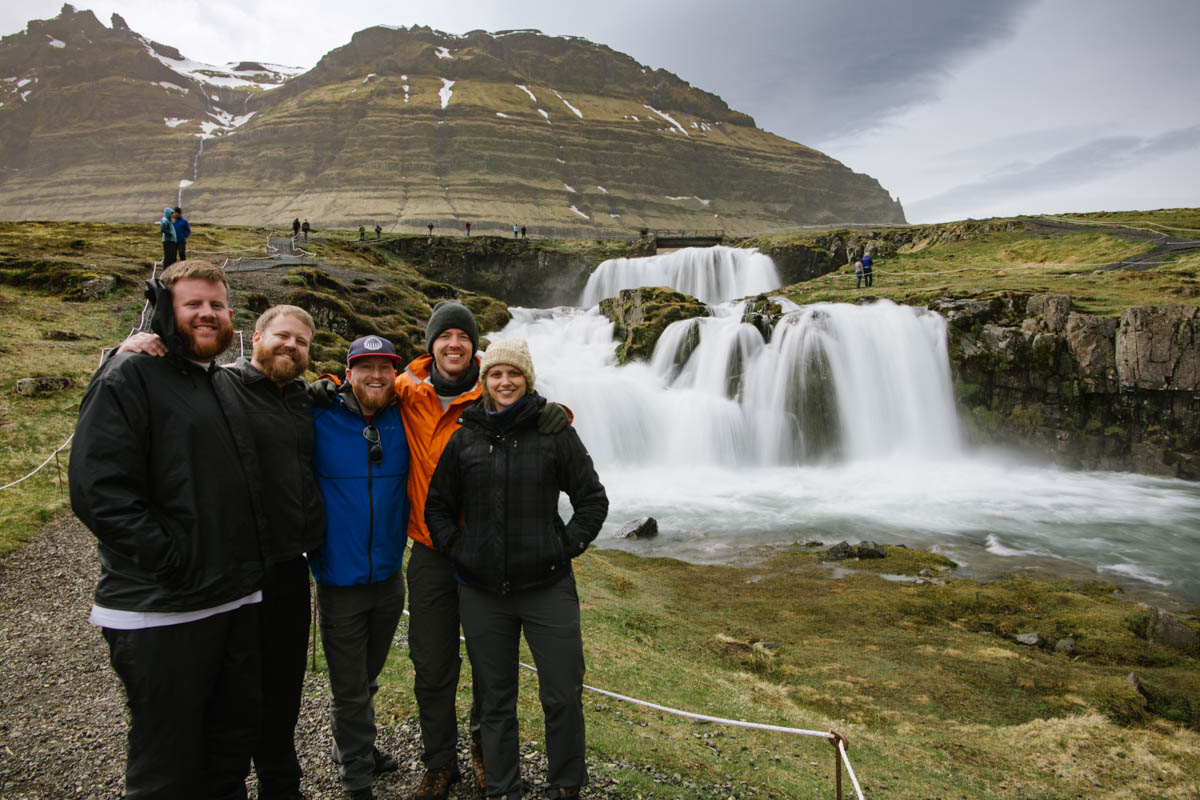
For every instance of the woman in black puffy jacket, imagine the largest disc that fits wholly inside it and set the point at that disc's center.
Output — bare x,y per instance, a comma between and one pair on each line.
493,509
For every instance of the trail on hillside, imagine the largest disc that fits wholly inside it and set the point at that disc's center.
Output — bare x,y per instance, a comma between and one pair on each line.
1166,248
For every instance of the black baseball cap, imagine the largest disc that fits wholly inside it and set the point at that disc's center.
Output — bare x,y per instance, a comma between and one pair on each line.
365,346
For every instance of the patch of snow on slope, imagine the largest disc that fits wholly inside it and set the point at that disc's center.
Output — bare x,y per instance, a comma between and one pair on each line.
369,76
525,89
501,114
677,126
602,189
445,91
542,111
569,188
172,87
55,42
578,113
444,52
183,184
580,213
174,122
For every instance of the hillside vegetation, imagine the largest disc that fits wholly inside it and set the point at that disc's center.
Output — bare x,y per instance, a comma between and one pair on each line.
926,680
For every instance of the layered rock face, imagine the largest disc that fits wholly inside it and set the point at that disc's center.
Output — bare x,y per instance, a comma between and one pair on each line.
1092,392
400,127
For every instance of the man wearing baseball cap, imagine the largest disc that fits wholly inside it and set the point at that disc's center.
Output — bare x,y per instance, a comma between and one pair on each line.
361,461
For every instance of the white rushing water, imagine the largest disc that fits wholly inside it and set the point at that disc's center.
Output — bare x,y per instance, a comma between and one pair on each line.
842,426
710,274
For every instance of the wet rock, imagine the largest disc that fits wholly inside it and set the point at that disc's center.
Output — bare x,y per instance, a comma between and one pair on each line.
37,387
870,549
60,336
839,552
641,528
641,315
1030,639
763,314
1164,628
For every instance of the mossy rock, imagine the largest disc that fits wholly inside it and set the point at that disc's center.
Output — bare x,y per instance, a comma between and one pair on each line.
641,315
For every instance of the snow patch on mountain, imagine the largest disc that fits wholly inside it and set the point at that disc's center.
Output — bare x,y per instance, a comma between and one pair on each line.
578,113
667,117
445,91
525,89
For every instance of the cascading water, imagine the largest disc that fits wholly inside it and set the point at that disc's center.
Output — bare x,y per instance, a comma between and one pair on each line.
841,426
710,274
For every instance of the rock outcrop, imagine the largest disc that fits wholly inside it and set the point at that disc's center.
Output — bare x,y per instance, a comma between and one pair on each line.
1092,392
641,315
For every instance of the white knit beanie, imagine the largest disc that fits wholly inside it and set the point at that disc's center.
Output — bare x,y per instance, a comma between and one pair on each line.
514,352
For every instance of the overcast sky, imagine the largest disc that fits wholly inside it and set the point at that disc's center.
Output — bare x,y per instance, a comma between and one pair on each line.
959,108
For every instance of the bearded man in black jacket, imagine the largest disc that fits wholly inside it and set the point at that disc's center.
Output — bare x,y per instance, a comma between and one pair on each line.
161,471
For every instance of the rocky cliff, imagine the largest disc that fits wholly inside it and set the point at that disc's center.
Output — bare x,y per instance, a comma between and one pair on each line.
402,127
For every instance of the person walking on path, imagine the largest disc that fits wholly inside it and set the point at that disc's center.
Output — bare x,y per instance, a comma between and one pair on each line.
516,230
378,230
431,230
163,471
182,231
169,243
868,270
361,460
306,228
362,233
295,227
523,236
493,509
858,274
468,225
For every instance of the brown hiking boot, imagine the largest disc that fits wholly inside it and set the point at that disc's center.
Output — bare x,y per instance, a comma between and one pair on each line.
568,792
477,761
436,783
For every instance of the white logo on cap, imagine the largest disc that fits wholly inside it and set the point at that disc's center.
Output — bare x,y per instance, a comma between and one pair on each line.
374,343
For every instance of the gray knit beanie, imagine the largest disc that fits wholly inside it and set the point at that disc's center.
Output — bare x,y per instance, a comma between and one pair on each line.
508,351
451,314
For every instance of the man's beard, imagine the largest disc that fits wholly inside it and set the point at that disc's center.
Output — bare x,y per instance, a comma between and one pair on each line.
209,350
275,364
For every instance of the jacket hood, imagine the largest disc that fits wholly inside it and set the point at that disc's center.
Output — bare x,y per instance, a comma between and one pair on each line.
162,321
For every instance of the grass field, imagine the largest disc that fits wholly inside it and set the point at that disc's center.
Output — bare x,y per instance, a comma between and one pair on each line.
925,681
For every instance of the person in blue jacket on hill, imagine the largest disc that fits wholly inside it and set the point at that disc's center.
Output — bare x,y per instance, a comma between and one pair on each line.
361,460
169,243
182,232
868,270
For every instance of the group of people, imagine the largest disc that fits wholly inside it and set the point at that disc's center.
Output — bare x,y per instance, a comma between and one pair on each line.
215,492
521,230
175,231
362,232
298,226
864,270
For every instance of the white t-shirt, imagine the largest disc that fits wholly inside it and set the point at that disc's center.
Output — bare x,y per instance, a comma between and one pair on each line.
137,620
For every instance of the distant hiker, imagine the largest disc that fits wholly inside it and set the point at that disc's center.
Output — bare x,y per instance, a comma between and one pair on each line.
523,236
431,229
858,274
163,473
868,266
295,227
182,232
378,230
526,583
468,228
306,228
169,243
362,233
516,230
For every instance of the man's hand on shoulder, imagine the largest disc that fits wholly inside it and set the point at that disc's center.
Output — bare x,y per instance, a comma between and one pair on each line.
553,418
143,342
322,391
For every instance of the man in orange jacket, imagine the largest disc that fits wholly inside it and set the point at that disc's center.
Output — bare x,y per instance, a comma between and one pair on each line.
433,391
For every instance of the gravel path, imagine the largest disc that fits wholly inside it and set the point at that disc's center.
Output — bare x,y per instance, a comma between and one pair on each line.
62,715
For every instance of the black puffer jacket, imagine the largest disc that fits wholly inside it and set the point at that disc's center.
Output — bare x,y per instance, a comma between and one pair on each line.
281,423
163,476
504,487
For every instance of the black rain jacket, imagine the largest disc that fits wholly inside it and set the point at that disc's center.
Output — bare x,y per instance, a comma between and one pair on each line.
493,501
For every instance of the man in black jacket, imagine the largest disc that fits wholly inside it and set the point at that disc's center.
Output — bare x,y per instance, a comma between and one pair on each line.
161,473
273,400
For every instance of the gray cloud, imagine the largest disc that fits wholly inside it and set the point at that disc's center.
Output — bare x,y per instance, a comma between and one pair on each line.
1079,165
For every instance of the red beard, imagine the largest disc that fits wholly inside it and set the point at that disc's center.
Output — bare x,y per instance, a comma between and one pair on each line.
209,350
277,365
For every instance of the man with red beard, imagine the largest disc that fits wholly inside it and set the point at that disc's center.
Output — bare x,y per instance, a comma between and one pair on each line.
162,471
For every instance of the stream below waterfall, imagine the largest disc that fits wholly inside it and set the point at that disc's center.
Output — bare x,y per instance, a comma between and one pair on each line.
841,426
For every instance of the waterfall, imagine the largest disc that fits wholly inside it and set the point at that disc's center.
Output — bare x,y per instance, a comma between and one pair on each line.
710,274
840,425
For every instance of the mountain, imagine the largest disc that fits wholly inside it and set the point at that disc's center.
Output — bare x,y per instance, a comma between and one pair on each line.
403,127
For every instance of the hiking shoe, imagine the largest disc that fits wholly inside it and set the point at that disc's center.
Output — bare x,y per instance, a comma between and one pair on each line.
436,783
360,794
384,762
568,792
477,761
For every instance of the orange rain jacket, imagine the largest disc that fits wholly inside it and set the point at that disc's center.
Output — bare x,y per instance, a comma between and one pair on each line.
429,428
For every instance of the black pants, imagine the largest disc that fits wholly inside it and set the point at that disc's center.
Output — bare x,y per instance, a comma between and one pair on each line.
170,253
181,251
433,647
868,277
549,618
194,701
285,616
